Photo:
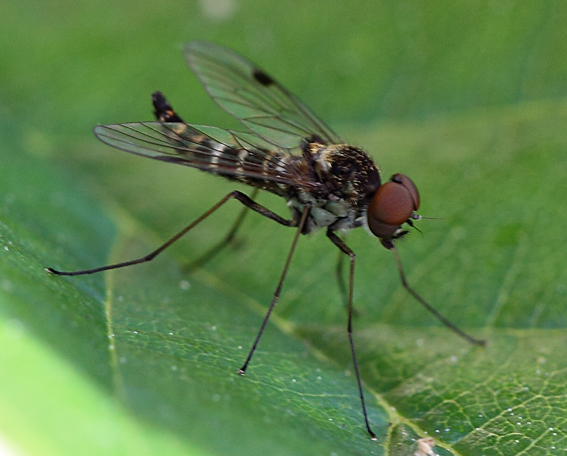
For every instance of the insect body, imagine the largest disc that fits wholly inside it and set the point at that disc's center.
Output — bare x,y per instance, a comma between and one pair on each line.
287,150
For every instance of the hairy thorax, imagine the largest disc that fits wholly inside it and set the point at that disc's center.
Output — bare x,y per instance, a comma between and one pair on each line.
348,179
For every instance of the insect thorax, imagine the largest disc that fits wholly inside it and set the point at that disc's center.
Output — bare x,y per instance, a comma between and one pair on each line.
348,177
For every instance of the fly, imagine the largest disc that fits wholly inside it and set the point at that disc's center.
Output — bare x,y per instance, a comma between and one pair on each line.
286,150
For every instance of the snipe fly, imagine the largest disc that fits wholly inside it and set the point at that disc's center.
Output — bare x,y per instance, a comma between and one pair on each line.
287,150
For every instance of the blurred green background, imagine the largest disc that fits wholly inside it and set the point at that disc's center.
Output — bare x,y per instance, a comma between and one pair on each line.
469,99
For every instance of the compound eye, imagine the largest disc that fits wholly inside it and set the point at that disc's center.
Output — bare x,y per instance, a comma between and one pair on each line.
392,205
409,185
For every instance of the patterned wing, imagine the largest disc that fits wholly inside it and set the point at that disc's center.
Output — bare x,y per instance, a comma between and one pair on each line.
240,156
253,97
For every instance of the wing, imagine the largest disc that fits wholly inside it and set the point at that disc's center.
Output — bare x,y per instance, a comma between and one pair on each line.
253,97
241,156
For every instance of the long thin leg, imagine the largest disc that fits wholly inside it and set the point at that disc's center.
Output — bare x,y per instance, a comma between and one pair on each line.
430,308
229,238
249,203
346,249
342,284
340,278
276,296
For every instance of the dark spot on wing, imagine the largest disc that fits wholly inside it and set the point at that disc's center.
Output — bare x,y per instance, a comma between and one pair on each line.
262,78
163,110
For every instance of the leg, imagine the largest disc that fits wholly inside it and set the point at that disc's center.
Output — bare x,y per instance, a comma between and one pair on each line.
229,238
429,307
341,283
235,194
340,278
346,249
276,296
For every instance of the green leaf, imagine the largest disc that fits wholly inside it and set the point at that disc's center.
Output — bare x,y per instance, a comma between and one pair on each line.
469,102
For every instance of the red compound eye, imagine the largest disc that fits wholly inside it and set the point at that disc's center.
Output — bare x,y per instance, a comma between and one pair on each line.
392,205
